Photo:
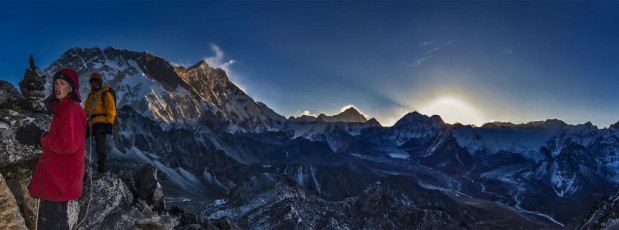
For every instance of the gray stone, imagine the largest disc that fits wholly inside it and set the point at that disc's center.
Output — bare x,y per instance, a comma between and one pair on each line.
156,223
12,152
109,195
33,87
18,177
148,188
10,218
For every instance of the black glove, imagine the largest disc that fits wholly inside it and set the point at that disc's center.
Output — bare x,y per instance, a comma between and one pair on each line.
29,135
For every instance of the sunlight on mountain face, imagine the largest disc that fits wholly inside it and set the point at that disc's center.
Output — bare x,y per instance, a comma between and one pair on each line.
453,110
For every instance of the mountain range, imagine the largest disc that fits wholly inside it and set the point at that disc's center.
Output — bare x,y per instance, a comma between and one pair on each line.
221,154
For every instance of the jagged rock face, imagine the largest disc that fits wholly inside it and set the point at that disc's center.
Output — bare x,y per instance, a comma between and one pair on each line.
603,215
10,217
273,201
214,86
148,188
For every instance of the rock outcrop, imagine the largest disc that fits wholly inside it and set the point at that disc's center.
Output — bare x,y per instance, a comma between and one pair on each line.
148,188
10,218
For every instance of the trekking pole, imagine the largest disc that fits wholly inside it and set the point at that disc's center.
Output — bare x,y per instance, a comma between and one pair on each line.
90,176
36,218
90,166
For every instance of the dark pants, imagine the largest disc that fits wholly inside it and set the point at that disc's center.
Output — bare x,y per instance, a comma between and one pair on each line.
53,215
100,132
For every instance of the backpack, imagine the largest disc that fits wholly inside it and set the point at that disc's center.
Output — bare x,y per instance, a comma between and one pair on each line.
103,96
114,130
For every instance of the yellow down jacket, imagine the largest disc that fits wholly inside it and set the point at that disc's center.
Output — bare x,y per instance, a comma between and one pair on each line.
95,109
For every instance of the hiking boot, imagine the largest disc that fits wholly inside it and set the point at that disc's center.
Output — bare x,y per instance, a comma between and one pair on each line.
98,175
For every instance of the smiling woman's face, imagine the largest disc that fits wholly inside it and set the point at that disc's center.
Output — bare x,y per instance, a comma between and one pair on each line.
61,88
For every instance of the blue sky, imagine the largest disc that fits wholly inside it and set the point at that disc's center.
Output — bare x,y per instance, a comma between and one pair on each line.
468,61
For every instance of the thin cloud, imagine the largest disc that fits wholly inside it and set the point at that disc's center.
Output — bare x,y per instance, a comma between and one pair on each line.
426,43
175,64
434,50
306,113
507,51
433,47
344,108
419,61
220,61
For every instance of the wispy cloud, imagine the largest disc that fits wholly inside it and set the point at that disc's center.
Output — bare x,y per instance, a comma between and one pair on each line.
176,64
306,113
344,108
426,43
418,61
506,51
434,50
421,60
219,60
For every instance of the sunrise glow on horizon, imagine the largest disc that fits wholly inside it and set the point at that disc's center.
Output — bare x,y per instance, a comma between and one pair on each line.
468,62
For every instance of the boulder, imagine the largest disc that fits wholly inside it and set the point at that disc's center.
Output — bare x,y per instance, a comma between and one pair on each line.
17,177
148,187
109,195
12,152
10,218
155,223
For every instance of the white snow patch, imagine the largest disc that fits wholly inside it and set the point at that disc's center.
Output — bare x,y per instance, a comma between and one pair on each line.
399,155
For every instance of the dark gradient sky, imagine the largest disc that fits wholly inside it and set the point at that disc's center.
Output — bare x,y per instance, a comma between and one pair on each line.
468,61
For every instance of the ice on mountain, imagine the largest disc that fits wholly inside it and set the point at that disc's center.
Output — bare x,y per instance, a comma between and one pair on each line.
399,155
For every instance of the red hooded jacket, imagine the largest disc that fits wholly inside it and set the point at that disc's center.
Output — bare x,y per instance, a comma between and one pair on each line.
60,171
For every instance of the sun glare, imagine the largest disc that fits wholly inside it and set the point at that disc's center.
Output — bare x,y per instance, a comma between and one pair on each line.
453,110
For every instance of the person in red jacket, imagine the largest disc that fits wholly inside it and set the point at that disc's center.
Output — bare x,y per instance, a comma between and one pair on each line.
58,177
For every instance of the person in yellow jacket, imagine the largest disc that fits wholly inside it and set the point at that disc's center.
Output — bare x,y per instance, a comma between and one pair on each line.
100,109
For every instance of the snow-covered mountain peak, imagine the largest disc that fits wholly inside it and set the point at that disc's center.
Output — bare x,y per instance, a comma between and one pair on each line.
302,118
173,95
415,125
349,115
531,139
373,123
549,123
417,119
